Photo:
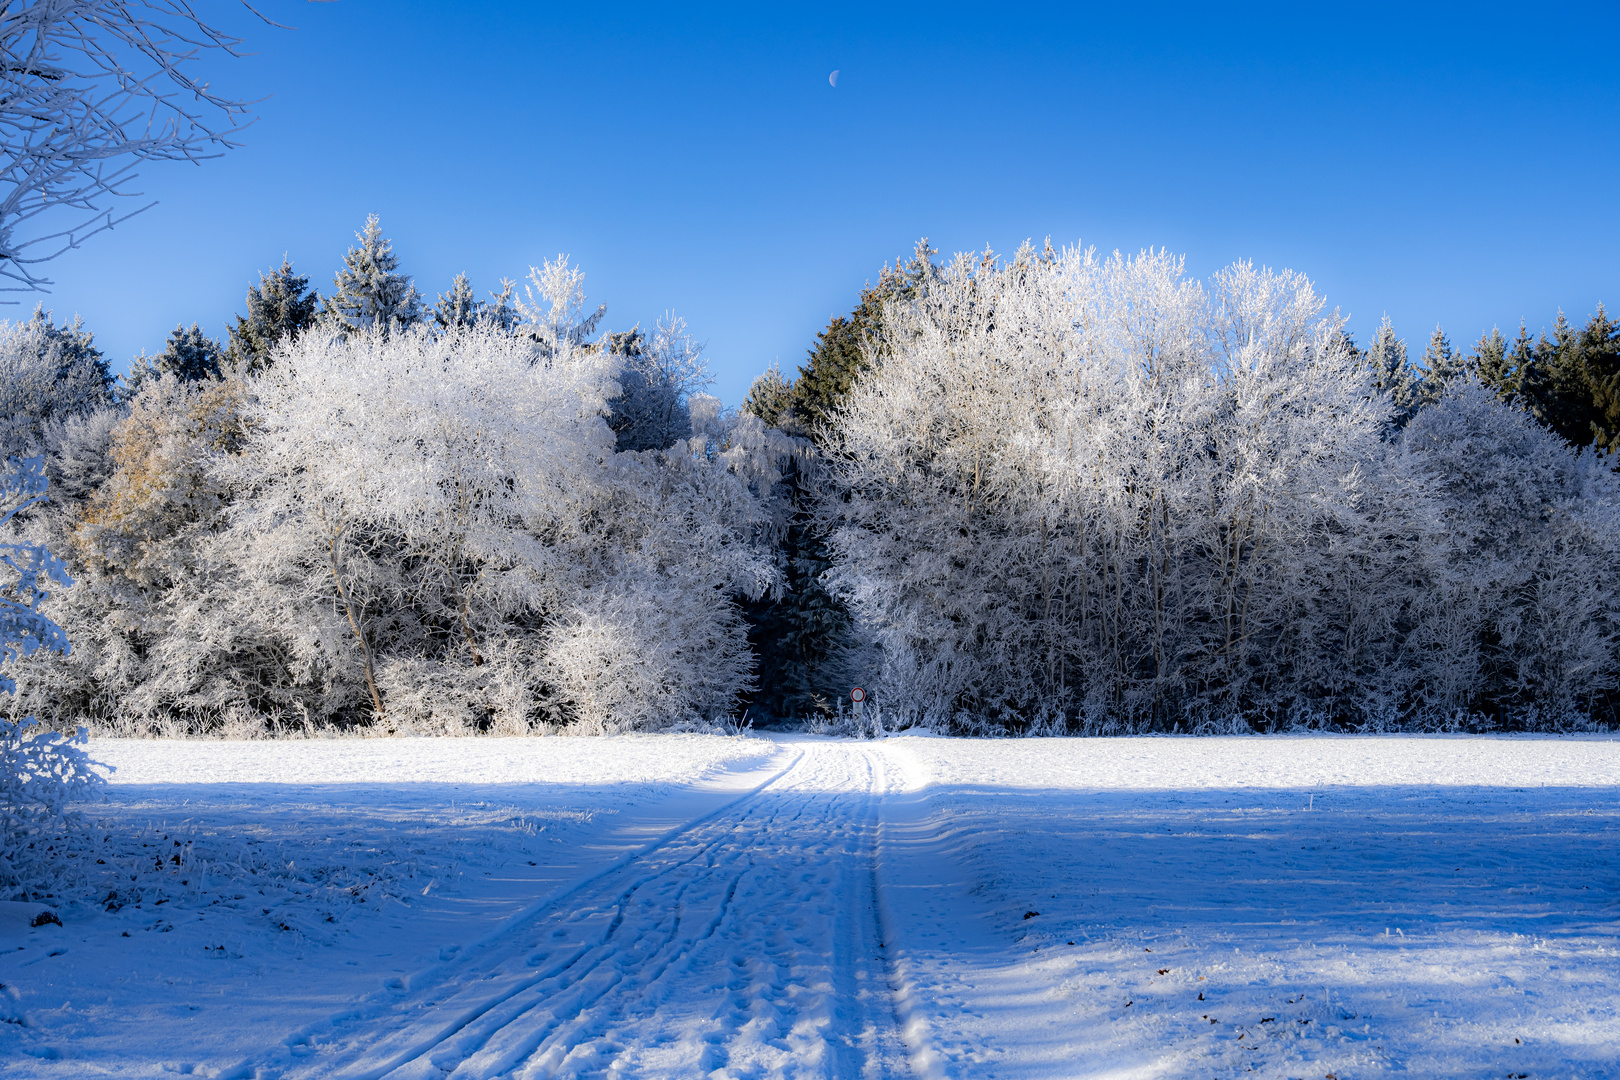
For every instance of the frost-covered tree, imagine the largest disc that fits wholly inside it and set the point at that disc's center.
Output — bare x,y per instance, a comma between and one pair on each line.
40,772
281,305
1090,485
29,570
1393,374
1442,366
370,292
1519,548
552,311
654,634
47,372
1491,364
188,355
460,309
657,378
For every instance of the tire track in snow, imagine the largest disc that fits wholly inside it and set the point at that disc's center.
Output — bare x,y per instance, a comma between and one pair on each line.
745,945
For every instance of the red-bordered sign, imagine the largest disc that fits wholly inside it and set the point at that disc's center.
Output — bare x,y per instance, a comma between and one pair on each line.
857,695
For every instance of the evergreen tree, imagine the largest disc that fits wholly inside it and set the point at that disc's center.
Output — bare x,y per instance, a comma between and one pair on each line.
805,639
47,372
1393,374
458,308
1553,383
370,290
1600,361
1493,365
189,355
281,305
74,348
1441,367
770,398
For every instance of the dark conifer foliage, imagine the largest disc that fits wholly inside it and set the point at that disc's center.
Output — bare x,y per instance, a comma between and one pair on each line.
839,356
804,639
1570,381
280,305
190,355
75,350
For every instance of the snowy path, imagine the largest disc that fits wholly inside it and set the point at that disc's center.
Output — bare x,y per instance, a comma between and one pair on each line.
748,943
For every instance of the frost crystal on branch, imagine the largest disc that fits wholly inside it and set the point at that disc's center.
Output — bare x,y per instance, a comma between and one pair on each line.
89,91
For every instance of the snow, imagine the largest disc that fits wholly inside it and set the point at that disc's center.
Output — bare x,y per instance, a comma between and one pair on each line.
1305,906
670,906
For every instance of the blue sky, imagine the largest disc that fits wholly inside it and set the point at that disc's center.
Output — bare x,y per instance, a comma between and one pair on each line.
1453,165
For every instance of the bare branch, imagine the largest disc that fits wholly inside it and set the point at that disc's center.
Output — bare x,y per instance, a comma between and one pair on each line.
90,90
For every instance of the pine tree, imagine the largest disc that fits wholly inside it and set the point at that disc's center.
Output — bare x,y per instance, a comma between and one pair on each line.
280,306
370,290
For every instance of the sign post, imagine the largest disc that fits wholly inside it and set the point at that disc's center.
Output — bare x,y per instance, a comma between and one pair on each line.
857,702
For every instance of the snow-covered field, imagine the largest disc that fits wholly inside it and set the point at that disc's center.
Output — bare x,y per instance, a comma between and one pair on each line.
703,906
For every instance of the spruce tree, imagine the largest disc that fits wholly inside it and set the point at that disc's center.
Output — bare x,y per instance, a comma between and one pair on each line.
281,305
1493,365
189,355
1600,362
370,291
1441,367
77,358
1393,374
805,639
770,397
458,308
1553,385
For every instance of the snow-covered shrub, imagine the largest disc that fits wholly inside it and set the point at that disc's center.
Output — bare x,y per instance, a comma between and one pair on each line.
42,773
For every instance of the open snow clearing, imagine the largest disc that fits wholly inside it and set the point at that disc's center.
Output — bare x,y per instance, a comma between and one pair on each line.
698,906
746,944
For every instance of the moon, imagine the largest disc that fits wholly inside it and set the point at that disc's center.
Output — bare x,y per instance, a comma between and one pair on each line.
832,80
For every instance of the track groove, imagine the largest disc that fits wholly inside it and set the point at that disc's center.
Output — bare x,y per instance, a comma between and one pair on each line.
744,945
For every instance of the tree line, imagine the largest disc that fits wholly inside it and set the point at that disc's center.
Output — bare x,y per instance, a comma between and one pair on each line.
1049,492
